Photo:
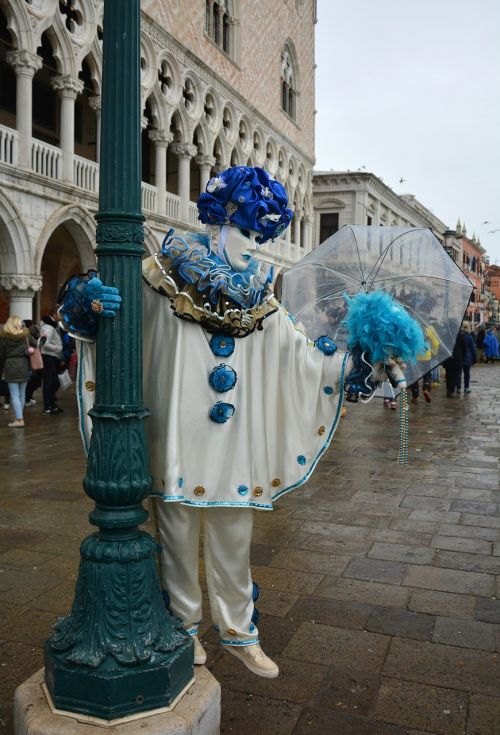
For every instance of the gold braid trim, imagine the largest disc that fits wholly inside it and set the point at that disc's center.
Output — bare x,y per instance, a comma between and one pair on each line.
188,303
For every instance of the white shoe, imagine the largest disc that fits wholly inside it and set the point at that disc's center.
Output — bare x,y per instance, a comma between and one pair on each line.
6,406
200,655
255,659
31,402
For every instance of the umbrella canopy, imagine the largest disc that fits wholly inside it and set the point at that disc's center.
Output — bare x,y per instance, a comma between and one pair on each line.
409,264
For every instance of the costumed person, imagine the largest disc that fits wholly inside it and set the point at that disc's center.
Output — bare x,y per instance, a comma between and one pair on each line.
490,346
242,404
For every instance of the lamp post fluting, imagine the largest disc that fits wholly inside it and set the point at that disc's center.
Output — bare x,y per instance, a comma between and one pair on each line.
119,651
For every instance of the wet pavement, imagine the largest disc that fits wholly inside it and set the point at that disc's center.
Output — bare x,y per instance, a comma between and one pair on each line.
380,584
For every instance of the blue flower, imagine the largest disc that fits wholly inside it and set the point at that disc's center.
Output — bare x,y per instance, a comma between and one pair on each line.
326,345
242,489
222,378
328,390
180,482
301,459
222,345
221,412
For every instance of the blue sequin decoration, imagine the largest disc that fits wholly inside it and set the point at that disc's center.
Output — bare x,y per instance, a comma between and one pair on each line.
222,378
301,459
180,482
221,412
251,628
242,490
222,345
326,345
328,390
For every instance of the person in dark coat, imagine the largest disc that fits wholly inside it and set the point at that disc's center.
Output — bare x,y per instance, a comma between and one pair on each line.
15,346
481,334
469,358
453,365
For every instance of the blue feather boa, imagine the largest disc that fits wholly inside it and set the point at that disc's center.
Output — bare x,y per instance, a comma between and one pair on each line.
382,328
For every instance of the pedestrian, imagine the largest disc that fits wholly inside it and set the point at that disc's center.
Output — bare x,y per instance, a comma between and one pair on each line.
389,395
426,388
469,358
4,391
35,380
51,347
490,346
453,365
16,344
481,334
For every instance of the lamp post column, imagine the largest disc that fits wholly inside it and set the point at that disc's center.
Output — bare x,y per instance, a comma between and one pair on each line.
119,651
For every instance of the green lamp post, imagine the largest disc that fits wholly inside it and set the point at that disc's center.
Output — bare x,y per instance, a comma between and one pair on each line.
119,651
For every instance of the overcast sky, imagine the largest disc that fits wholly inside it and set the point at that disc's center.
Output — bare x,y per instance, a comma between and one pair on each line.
411,89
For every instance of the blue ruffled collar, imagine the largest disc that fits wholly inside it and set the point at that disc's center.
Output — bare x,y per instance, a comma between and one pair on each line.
194,259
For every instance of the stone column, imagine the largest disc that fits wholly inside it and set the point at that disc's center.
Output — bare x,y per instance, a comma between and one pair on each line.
184,152
161,139
21,289
205,163
298,226
69,88
25,65
95,105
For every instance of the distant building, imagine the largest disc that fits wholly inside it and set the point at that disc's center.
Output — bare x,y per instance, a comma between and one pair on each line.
223,83
492,278
474,266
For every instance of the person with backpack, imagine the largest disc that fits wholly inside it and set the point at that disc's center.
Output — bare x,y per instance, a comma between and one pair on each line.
16,344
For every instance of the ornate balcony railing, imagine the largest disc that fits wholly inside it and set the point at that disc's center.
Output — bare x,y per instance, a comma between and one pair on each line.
46,159
86,174
148,197
8,145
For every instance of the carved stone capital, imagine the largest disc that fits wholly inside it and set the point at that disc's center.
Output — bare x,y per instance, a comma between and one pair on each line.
68,86
20,282
184,150
203,160
161,137
95,104
24,62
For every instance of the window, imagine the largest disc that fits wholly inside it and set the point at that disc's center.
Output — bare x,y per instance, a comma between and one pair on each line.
288,84
218,24
328,225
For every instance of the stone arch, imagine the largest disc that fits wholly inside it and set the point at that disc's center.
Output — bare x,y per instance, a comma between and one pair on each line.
80,224
18,23
15,251
62,50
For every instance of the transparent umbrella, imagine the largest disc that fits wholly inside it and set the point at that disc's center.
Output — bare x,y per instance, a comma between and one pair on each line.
408,263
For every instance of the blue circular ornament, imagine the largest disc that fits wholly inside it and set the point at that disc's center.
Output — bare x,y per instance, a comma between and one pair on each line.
301,459
222,345
328,390
222,378
326,345
221,412
242,490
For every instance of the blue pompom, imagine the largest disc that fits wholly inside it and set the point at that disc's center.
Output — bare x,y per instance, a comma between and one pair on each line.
382,327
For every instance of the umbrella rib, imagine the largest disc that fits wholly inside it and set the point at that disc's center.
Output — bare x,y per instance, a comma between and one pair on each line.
363,279
321,266
382,255
418,275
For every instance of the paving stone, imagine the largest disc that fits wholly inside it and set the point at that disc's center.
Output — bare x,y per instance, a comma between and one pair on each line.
276,633
352,547
432,491
369,593
402,553
465,633
471,493
376,571
488,610
285,580
275,603
245,713
444,666
325,644
439,516
486,534
403,623
414,526
298,681
418,705
316,721
262,554
468,562
349,690
389,536
425,503
33,627
335,531
443,603
310,561
484,715
455,543
450,580
484,521
332,612
469,506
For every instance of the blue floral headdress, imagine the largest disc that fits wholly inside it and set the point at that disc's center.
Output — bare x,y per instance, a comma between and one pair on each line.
246,198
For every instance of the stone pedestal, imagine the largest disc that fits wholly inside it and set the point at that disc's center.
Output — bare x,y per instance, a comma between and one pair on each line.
197,712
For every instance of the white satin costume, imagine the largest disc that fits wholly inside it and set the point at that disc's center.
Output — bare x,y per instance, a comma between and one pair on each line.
286,397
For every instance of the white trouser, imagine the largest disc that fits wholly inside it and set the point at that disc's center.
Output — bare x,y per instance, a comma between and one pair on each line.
227,538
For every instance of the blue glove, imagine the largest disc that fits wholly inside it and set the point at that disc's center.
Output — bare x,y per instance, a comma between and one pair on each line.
108,296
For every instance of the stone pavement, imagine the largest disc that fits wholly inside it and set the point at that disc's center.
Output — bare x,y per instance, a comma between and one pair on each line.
379,583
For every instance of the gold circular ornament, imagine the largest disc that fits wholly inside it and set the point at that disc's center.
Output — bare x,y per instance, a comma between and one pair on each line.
321,430
257,491
199,490
276,482
231,631
90,386
96,306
